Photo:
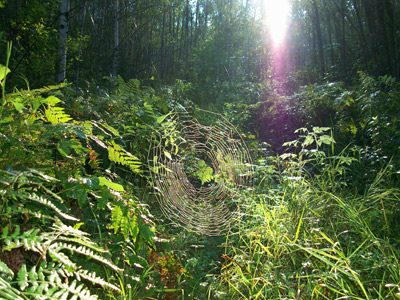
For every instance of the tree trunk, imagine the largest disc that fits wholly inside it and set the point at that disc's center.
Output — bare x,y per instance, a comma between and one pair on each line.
317,25
62,35
82,26
114,70
162,47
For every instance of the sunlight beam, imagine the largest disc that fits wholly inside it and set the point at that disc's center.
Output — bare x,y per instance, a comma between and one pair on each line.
277,14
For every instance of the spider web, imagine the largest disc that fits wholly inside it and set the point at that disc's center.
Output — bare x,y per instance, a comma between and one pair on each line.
198,169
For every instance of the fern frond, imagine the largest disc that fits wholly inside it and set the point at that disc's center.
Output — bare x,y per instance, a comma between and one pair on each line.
119,155
86,252
22,278
49,204
30,240
56,254
80,131
56,115
83,242
116,217
5,270
92,277
69,231
8,292
40,91
43,282
131,86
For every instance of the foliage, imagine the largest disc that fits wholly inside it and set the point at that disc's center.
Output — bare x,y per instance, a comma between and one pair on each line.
70,228
78,216
306,238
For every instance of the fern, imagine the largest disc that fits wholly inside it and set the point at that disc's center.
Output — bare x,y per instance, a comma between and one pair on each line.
116,217
119,155
28,239
92,277
56,115
44,282
131,86
61,245
124,219
8,292
49,204
57,247
5,270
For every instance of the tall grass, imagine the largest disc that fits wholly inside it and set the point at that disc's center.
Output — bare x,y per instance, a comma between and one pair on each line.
304,234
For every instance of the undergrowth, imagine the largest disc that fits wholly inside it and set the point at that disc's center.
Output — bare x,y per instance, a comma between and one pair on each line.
307,236
79,220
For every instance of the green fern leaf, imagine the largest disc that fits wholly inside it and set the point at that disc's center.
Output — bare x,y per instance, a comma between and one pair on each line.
119,155
56,115
5,270
22,278
49,203
69,231
56,255
124,227
8,292
92,277
116,217
83,242
29,240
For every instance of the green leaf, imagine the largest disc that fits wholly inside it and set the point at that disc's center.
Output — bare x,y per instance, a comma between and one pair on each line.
326,139
56,115
18,103
319,130
5,232
103,200
81,196
22,277
114,186
51,100
162,118
204,172
3,72
308,140
168,155
116,217
65,147
4,269
91,182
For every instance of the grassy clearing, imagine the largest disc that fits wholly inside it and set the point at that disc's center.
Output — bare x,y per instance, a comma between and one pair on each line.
307,235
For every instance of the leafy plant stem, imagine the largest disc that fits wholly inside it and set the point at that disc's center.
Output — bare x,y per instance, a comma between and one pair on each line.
3,85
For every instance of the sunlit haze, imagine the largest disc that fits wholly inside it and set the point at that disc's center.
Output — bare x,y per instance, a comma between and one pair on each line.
277,13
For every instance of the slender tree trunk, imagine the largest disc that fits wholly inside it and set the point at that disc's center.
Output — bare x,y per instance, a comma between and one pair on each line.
114,70
186,51
331,47
319,37
396,38
162,48
206,12
364,43
82,26
380,8
343,40
197,23
62,35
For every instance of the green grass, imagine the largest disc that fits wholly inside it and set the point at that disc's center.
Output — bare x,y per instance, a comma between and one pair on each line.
309,236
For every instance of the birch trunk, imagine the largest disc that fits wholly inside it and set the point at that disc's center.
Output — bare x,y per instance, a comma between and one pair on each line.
62,34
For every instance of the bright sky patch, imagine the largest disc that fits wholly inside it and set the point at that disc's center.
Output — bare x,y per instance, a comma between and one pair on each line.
277,13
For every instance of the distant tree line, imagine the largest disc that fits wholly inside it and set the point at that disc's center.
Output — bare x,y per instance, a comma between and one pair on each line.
339,37
202,41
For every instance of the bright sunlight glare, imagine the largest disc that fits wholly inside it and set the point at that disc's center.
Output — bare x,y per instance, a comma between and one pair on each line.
277,13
